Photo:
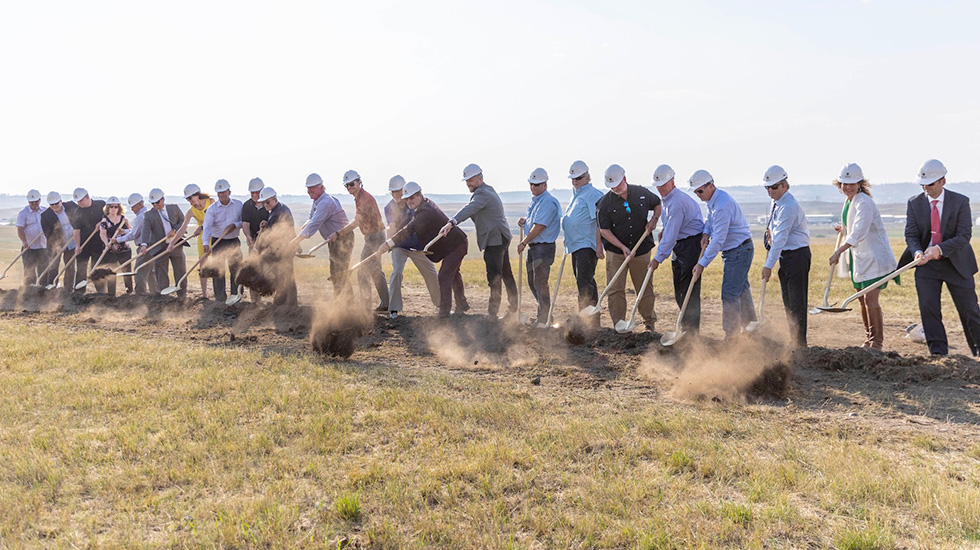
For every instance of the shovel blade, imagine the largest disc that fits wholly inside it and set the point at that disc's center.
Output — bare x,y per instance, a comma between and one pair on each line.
625,326
126,274
305,255
81,285
3,277
233,299
755,325
588,311
815,310
834,309
671,338
169,290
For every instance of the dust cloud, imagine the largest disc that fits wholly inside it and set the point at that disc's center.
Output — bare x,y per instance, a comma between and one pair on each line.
480,343
338,324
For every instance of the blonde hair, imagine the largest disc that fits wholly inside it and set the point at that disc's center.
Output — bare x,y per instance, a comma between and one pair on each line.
865,186
122,209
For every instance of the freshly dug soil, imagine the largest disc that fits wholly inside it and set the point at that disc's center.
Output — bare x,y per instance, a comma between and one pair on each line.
100,273
336,329
208,272
252,277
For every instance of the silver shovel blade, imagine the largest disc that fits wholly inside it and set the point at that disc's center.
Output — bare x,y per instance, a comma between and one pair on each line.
755,325
233,299
625,326
305,255
834,309
127,274
671,338
81,285
587,311
169,290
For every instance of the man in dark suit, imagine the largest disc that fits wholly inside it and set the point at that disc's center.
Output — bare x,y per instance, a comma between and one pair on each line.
938,228
59,234
159,221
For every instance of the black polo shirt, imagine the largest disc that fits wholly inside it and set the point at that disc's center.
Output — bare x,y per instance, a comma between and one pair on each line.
627,219
254,214
86,220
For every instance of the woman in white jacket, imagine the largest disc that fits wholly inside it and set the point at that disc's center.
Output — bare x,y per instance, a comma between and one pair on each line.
866,252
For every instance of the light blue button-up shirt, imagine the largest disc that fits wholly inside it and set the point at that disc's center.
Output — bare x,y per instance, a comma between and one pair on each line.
326,216
725,225
544,210
788,228
67,230
30,221
219,216
579,222
682,219
137,226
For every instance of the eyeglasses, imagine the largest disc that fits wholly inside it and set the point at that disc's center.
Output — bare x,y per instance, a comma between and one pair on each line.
627,205
924,185
350,184
773,187
537,184
580,177
702,189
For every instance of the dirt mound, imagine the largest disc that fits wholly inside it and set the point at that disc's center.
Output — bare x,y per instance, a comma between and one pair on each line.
99,274
251,276
889,365
337,326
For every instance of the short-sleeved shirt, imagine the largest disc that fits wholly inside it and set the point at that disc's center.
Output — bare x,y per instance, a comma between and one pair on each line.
579,221
31,222
544,210
86,221
627,219
367,213
253,214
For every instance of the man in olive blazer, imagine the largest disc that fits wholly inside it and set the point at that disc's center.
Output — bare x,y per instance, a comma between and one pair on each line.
159,221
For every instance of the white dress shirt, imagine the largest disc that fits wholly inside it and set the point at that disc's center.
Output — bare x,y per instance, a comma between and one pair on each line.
220,216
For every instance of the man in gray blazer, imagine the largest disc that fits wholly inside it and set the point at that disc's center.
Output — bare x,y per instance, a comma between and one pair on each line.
938,228
492,236
159,221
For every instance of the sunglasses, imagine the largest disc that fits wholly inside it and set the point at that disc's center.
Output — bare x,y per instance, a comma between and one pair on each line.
627,205
702,189
580,177
537,184
773,186
924,185
351,184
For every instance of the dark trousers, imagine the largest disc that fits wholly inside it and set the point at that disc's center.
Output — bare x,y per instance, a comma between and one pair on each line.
497,259
451,281
159,277
340,251
583,266
226,251
371,271
35,260
929,281
83,264
113,260
794,281
682,262
141,277
68,257
285,282
540,257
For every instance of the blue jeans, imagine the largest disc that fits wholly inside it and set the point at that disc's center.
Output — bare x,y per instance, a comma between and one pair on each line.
737,309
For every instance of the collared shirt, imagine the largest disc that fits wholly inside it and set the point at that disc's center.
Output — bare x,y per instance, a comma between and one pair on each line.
788,228
218,217
488,215
725,225
367,213
67,230
31,222
939,205
254,214
398,216
682,219
326,216
137,225
579,220
627,219
544,210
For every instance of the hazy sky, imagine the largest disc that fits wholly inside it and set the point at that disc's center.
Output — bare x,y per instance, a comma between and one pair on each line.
125,96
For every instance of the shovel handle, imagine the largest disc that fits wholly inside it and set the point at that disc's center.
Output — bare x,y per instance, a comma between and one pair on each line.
137,256
53,261
78,251
432,242
762,299
104,251
623,267
639,295
687,297
554,295
178,242
26,248
365,260
879,283
830,277
520,275
318,247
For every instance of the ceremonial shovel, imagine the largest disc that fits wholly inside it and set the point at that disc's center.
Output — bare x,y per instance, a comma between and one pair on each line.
84,283
627,326
153,259
77,252
36,237
311,254
116,273
830,281
51,264
554,295
843,307
671,338
592,310
522,318
434,240
760,318
176,287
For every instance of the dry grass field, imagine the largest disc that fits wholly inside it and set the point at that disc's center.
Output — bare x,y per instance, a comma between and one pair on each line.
127,423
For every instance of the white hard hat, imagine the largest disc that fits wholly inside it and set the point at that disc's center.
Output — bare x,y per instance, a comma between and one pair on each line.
351,175
396,183
851,173
266,193
190,189
255,184
156,195
410,189
135,199
662,174
615,175
577,169
313,180
79,194
539,175
221,186
33,195
54,197
471,170
113,200
932,170
700,179
774,175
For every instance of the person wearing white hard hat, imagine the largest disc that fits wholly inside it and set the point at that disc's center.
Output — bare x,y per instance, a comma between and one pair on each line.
625,213
85,216
492,237
199,203
367,218
253,214
448,251
58,232
272,244
544,218
680,240
867,254
327,217
787,239
398,214
938,228
138,208
582,238
163,220
31,235
726,232
113,222
222,224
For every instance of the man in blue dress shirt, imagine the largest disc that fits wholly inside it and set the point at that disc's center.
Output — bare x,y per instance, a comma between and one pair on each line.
680,240
582,238
328,217
544,218
726,232
788,240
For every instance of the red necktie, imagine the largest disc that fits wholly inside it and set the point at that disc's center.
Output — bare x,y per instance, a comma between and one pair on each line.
934,219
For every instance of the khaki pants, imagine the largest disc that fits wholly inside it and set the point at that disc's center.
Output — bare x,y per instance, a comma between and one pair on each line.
636,271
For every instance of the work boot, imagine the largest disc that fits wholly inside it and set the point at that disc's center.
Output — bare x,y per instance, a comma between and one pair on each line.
877,331
867,326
